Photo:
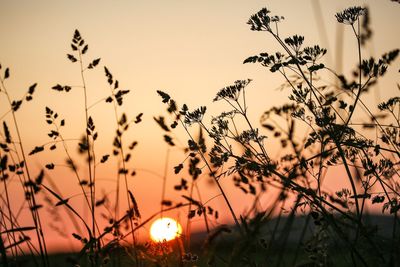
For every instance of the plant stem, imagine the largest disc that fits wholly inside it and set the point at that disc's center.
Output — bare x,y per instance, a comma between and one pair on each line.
359,72
92,185
215,178
122,158
32,199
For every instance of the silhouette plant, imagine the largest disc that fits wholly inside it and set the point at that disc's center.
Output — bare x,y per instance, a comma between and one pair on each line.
13,164
97,242
317,131
333,140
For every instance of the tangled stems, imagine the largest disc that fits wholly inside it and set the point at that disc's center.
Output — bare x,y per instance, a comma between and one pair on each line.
31,199
191,118
124,168
309,82
215,179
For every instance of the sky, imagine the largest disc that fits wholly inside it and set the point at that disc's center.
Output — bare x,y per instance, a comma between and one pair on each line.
189,48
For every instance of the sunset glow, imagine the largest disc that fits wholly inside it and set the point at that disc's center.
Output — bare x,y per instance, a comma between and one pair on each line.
196,133
165,229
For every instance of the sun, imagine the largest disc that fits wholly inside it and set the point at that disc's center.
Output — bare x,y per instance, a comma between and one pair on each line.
165,229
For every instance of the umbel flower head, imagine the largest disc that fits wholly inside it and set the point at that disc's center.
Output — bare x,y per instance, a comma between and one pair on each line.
196,116
350,15
232,92
260,21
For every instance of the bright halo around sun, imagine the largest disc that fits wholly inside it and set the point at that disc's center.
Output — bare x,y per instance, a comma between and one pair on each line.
165,229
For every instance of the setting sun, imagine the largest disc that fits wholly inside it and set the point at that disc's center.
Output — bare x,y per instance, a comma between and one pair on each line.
165,229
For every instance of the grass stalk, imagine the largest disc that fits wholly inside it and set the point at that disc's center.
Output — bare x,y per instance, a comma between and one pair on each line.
32,201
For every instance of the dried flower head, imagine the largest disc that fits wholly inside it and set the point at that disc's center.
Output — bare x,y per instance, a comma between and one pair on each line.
233,91
295,42
224,115
350,15
314,53
196,116
260,21
277,18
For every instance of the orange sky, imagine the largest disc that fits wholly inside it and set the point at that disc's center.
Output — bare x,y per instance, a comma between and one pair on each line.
190,49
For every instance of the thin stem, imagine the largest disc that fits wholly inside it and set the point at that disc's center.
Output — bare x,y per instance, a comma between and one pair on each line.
359,71
215,178
91,178
63,141
164,184
204,213
188,235
8,204
351,180
122,160
32,199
